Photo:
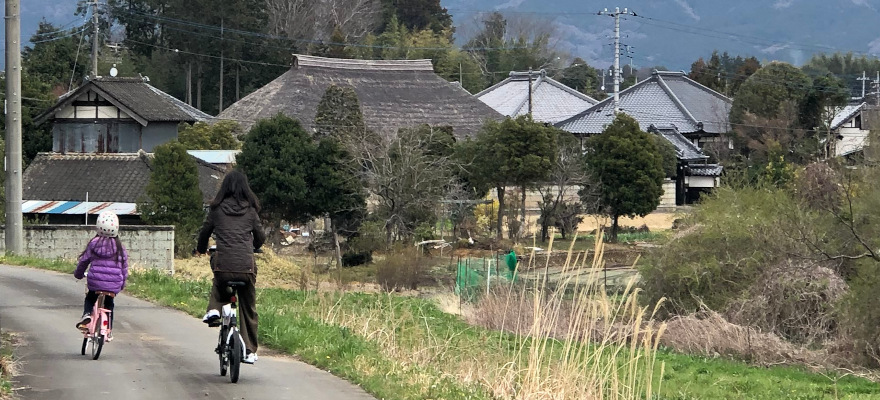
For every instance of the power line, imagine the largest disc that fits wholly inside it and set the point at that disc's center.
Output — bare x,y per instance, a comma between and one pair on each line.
60,37
206,55
306,41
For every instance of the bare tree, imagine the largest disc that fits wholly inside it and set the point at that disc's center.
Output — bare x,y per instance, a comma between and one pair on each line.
406,177
316,19
559,205
292,18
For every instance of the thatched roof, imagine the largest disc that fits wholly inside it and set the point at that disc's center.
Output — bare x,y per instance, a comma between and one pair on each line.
392,93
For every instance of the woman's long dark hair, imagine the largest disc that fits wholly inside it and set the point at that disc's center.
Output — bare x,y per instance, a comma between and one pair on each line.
235,185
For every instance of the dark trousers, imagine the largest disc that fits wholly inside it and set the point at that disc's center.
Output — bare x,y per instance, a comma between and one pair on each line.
247,303
92,298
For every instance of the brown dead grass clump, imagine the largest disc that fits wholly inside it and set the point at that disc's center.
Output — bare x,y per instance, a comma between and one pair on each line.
796,300
709,333
272,270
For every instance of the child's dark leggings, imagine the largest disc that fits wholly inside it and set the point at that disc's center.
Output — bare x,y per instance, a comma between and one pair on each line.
92,298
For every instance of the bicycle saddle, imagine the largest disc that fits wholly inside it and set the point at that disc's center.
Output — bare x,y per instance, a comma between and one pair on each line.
235,284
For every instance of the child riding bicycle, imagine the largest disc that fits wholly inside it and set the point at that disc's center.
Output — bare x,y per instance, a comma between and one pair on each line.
107,262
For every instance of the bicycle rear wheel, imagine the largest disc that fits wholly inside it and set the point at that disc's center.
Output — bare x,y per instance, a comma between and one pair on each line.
97,345
222,351
234,356
85,344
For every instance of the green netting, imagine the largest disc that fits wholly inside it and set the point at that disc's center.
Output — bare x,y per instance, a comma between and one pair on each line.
476,276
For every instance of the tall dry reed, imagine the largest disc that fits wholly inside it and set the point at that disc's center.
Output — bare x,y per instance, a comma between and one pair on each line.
571,342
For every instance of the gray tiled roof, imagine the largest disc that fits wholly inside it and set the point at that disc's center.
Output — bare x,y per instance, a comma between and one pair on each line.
393,94
105,177
147,103
551,100
705,170
846,114
684,148
666,98
120,177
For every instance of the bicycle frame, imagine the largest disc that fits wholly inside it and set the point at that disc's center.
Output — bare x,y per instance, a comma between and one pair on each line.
99,314
97,331
229,318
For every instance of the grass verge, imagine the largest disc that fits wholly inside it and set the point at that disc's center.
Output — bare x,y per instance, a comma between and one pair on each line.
7,365
407,348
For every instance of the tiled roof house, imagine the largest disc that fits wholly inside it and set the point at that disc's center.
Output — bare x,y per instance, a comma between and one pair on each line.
65,187
851,128
550,101
686,113
393,94
116,115
103,133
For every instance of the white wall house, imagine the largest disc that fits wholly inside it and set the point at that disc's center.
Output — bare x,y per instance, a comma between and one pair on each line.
849,130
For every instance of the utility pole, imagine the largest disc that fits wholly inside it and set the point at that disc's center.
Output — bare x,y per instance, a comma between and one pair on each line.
530,91
95,39
616,15
877,89
864,78
14,234
221,66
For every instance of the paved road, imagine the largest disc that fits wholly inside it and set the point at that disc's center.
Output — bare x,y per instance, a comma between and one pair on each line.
157,353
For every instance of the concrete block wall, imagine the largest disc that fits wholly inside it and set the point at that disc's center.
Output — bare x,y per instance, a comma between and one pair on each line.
667,200
148,246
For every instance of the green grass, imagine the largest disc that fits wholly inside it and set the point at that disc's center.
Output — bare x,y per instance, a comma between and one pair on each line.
6,360
408,360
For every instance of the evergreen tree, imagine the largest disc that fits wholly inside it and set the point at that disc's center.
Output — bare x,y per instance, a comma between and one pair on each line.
219,136
518,152
50,58
763,93
173,196
339,114
582,77
296,178
626,161
419,14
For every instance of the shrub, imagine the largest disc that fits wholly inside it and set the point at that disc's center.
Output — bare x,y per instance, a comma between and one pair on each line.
400,271
352,259
724,246
370,237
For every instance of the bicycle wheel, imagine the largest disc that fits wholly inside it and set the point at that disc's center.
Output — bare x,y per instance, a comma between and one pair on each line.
222,351
234,356
85,344
97,345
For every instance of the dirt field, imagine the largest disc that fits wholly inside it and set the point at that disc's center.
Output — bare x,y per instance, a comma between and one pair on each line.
657,221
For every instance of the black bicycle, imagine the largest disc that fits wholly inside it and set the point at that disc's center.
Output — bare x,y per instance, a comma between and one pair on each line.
230,345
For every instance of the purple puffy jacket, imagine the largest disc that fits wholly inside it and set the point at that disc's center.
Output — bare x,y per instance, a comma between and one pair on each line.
108,272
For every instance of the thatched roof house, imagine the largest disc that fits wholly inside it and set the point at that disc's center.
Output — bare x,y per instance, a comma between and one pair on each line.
392,93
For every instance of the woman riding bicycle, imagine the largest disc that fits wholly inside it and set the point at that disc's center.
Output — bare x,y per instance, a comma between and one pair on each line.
234,222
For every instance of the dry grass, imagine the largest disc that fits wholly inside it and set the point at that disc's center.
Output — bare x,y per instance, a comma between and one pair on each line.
609,351
8,364
273,271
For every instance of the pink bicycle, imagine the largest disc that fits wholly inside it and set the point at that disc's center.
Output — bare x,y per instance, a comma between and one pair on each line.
98,330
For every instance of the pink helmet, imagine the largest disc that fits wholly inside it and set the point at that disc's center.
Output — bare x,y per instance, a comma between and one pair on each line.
108,224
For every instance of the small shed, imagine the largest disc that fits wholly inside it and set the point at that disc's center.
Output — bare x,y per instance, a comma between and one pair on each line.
116,115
